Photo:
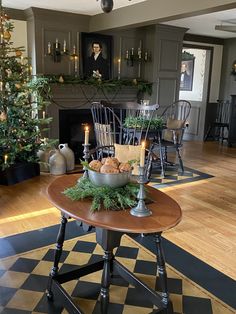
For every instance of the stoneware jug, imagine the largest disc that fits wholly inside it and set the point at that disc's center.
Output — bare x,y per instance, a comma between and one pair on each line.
57,162
69,156
43,156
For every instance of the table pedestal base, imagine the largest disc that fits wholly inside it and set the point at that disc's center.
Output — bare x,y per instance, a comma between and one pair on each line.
108,240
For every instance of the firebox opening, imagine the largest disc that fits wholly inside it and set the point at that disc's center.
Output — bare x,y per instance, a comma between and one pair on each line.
71,129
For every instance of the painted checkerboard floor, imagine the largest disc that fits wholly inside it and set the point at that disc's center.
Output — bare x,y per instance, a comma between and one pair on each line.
23,280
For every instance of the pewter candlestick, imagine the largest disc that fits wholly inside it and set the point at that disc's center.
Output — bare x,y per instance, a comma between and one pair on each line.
86,158
141,210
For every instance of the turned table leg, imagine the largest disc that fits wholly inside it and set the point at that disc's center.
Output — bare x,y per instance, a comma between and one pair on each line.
108,240
57,255
106,280
161,268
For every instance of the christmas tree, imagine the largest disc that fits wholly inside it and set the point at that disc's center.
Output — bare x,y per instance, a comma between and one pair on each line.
23,101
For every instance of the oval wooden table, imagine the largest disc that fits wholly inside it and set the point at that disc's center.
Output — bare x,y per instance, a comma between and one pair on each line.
110,226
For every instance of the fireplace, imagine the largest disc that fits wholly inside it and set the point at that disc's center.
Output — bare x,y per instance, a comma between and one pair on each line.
71,129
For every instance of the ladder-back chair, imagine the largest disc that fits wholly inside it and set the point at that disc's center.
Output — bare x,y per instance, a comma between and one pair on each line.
218,130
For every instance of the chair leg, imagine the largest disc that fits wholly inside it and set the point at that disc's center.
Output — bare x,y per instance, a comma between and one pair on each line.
180,159
207,133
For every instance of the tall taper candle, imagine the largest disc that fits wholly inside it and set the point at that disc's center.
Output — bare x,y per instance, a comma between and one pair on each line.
119,63
142,155
49,48
64,46
44,114
5,159
86,135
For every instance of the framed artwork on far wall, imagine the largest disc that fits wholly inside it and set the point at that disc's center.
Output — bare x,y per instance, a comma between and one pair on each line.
187,70
96,55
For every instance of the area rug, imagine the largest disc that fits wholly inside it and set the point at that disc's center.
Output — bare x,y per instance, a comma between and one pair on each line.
174,176
24,275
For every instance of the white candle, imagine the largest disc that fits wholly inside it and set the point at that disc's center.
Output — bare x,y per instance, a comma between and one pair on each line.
22,60
49,48
64,46
142,155
5,159
86,135
119,63
76,63
1,86
43,114
139,53
56,43
127,54
1,40
132,51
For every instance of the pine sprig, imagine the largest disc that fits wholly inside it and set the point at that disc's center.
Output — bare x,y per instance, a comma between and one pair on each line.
104,197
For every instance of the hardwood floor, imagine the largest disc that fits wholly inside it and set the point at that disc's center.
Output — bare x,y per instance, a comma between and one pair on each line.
208,228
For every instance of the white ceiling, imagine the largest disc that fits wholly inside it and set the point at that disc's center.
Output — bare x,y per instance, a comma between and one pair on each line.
205,24
89,7
201,25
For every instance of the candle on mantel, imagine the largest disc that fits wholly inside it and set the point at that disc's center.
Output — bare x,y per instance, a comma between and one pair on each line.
142,155
86,135
56,43
5,159
76,64
64,46
49,48
127,54
44,114
132,51
119,64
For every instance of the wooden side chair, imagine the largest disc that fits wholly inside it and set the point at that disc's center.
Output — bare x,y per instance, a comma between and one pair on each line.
219,129
174,117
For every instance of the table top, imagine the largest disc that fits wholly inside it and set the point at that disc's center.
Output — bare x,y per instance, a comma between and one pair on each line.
166,213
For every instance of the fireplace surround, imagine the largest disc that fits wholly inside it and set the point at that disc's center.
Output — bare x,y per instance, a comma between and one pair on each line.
70,110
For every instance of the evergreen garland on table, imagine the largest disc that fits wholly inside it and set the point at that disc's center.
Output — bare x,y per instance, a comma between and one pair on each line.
104,197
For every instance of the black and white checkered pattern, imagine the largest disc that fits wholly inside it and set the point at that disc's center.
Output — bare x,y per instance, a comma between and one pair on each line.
23,281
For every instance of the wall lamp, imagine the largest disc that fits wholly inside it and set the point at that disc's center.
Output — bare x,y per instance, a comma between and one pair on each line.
132,56
57,50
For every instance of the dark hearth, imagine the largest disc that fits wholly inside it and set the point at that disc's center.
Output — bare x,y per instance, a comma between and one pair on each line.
71,129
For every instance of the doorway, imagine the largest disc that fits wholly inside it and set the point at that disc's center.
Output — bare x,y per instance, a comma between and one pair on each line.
194,86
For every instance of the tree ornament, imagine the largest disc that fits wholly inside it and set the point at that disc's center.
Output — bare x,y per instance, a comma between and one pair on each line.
3,116
17,86
7,35
18,53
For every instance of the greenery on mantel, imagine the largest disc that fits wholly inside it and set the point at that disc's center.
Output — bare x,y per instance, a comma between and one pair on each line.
113,85
104,197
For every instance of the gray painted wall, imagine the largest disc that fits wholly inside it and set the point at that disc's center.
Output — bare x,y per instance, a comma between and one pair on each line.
228,82
162,41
